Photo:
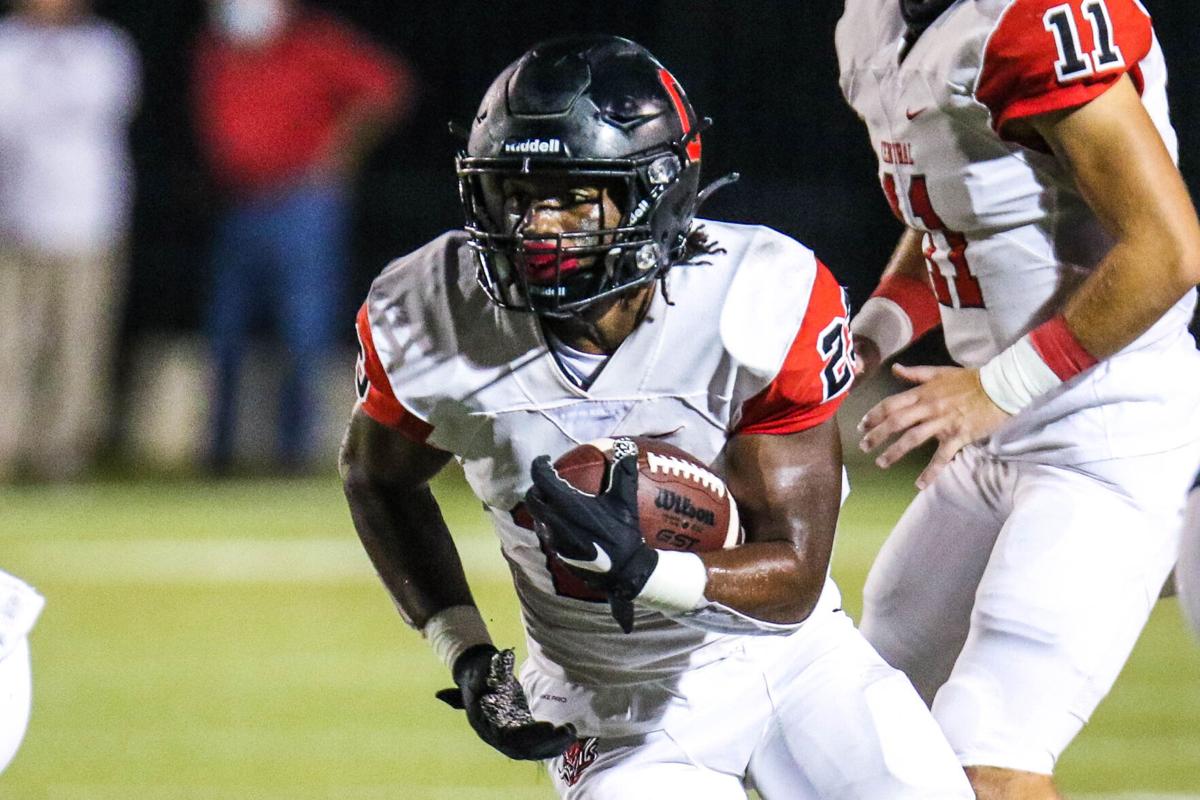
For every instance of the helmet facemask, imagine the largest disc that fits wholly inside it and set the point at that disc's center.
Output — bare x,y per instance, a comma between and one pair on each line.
558,274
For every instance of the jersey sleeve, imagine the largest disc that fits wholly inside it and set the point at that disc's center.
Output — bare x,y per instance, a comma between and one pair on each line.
1052,55
816,373
375,392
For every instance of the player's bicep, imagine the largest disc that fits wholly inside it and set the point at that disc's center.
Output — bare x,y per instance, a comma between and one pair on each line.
788,487
1139,193
373,453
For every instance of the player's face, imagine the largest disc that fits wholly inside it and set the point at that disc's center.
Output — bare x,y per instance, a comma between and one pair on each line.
543,208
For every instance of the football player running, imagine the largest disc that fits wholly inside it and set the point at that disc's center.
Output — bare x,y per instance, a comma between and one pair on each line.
1187,571
20,606
583,300
1026,145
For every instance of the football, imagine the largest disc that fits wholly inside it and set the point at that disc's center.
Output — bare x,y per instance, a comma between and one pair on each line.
682,504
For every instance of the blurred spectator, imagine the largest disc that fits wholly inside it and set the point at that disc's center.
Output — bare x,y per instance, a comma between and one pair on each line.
288,101
69,84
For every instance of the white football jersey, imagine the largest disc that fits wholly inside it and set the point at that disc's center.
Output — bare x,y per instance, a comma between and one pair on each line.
755,341
1008,236
20,606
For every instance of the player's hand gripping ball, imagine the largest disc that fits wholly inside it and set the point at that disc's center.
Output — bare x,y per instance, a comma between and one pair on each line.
606,506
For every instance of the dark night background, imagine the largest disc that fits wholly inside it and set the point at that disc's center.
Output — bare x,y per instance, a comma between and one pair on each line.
764,71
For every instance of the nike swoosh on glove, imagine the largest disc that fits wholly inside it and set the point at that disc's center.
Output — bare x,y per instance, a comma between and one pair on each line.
497,708
597,536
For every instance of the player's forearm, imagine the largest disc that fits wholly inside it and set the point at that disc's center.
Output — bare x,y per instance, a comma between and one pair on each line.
771,581
1142,201
789,492
902,308
1122,299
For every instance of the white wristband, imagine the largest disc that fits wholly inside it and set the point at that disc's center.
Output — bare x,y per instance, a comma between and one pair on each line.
1017,377
677,583
885,323
453,630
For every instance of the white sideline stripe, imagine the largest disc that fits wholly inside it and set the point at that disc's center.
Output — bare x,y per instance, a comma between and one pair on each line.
223,561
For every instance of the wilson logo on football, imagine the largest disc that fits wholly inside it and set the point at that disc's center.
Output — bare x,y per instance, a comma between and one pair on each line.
578,757
684,507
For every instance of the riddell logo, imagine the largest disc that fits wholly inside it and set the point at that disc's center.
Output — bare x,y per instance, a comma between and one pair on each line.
551,146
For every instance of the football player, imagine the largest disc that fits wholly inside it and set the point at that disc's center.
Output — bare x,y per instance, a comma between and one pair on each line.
1187,571
1026,145
20,606
584,300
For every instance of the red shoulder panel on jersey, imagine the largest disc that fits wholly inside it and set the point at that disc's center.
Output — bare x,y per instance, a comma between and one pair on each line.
375,391
1051,55
817,372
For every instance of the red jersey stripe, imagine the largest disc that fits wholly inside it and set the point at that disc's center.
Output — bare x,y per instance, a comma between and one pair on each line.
375,390
816,373
1040,60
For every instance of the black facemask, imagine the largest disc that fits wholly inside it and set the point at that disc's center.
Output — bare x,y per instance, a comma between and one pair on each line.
921,13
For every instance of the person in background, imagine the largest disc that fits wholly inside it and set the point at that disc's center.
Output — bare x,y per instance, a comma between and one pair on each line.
287,102
69,84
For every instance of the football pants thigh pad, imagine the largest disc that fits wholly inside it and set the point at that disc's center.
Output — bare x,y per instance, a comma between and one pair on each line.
918,597
852,728
1069,586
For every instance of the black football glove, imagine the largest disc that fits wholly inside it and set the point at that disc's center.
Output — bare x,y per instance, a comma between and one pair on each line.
497,709
598,536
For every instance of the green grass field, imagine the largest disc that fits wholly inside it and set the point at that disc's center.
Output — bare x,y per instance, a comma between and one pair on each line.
229,640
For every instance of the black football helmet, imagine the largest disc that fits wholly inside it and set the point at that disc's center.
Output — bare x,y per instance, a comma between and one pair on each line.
593,110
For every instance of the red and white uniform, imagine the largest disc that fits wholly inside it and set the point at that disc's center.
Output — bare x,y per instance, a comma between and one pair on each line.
754,342
1187,571
20,606
1000,545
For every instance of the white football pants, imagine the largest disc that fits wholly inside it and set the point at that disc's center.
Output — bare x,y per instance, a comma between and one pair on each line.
1012,593
1187,571
15,700
817,716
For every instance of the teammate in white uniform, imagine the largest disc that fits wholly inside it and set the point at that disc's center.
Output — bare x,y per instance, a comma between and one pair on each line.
584,301
1187,571
20,606
1026,145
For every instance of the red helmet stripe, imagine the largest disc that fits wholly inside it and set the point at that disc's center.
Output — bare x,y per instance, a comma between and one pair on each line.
672,87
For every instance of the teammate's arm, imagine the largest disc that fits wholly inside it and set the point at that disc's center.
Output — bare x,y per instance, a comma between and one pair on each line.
1127,176
386,476
900,310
